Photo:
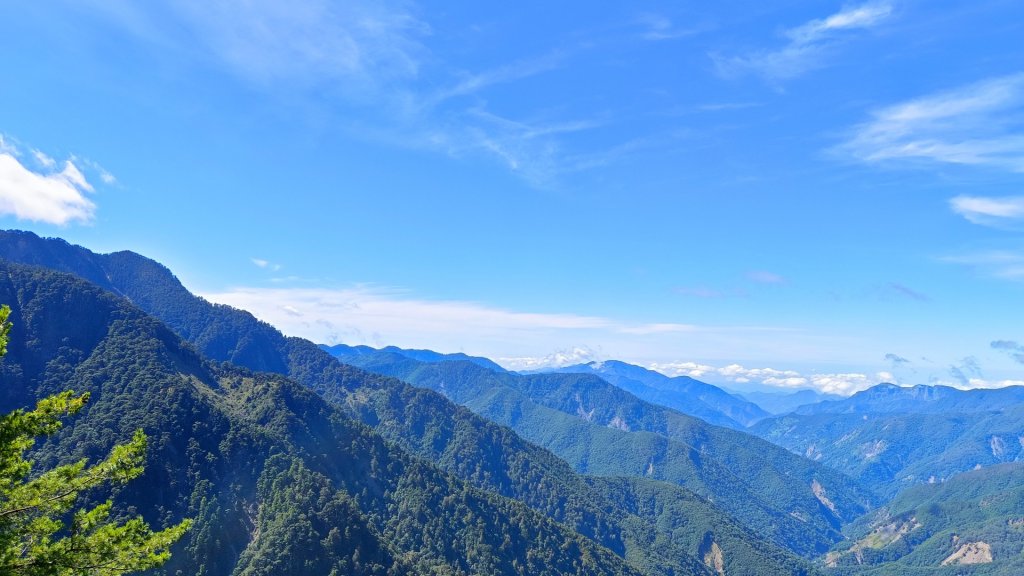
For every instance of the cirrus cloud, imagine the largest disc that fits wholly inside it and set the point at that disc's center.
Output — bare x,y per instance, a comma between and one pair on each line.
978,124
808,44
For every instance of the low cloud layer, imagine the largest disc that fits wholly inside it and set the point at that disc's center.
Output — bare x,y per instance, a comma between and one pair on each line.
833,383
535,340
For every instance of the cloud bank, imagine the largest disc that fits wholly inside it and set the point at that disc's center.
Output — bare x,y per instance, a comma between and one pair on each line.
831,383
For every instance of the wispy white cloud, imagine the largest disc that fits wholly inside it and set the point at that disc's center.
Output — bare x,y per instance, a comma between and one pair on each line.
657,28
700,292
1004,264
529,149
765,277
8,147
395,316
44,195
43,159
265,264
658,328
979,125
725,106
368,61
367,46
989,211
380,316
808,44
520,70
904,291
391,311
105,176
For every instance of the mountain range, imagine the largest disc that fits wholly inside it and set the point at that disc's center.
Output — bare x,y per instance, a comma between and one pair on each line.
920,399
602,429
277,480
295,458
652,527
685,394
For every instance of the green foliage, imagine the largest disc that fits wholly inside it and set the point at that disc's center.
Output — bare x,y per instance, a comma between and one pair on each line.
5,328
891,452
483,455
982,506
217,434
579,417
709,403
34,540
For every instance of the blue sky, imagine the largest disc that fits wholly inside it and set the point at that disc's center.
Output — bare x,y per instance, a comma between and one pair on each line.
817,194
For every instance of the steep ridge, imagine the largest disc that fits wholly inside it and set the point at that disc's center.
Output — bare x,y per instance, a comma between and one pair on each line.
974,524
279,481
580,418
781,402
476,453
894,451
682,393
920,399
413,416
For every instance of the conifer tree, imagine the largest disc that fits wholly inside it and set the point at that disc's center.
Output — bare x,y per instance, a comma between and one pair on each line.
41,531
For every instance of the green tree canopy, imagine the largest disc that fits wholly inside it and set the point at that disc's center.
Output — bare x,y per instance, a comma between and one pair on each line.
41,532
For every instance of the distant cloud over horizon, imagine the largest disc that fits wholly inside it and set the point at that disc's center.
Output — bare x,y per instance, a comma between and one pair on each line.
829,383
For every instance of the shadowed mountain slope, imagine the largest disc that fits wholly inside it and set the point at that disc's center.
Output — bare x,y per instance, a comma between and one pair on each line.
279,481
484,454
682,393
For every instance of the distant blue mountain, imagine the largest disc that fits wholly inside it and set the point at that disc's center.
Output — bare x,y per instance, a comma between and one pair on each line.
603,429
342,351
689,396
783,402
920,399
892,437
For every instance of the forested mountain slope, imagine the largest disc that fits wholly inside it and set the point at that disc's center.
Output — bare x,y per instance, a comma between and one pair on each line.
278,480
972,524
487,455
895,451
602,429
682,393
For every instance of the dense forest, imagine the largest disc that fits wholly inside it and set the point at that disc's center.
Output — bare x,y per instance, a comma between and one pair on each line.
294,460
